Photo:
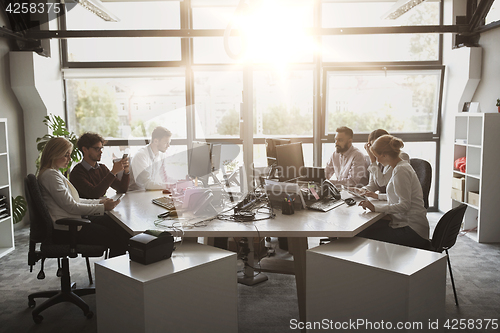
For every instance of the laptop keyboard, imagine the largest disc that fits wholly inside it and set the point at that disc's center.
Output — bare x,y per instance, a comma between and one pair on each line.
165,202
325,205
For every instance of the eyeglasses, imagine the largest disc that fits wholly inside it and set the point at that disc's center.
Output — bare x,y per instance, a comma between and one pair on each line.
97,148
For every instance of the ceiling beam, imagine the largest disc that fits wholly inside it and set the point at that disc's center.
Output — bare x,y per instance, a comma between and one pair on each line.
58,34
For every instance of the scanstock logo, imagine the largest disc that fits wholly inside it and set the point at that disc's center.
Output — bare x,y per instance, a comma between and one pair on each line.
28,14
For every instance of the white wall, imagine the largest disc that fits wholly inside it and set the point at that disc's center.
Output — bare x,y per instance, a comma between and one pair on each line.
10,109
469,76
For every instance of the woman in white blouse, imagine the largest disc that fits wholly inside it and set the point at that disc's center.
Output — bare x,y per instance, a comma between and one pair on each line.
63,201
408,224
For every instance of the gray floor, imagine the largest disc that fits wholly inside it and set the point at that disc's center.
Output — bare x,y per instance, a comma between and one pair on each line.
267,307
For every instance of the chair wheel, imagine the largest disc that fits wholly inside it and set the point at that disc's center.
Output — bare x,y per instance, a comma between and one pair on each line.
37,319
31,303
89,315
73,285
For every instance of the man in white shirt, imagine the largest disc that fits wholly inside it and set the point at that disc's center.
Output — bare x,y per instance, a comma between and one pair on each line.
148,166
347,163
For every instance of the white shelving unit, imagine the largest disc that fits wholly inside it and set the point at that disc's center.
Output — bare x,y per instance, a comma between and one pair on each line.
477,137
6,227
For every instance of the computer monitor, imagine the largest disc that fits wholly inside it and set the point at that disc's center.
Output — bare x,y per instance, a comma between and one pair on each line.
200,159
216,156
271,144
290,161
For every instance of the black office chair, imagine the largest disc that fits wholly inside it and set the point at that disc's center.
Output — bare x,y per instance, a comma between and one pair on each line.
445,236
423,170
41,227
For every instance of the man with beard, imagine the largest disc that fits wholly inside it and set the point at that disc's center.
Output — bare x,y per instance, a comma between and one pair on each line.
347,162
149,167
92,179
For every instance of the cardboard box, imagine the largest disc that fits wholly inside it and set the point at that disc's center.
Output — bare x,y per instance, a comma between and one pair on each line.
457,194
458,183
473,198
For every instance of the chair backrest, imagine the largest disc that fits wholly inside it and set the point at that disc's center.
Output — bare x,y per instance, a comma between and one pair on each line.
40,219
423,170
447,229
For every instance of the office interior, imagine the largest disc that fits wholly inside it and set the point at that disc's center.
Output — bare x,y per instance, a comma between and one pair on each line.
462,59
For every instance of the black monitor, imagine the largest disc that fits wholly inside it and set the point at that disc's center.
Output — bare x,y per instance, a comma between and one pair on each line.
271,144
290,161
200,159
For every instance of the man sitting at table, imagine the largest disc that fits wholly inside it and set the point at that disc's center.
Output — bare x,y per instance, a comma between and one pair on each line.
149,166
92,179
347,162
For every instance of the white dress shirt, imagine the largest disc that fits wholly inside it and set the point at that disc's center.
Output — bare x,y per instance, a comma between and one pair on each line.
62,198
349,167
149,170
380,175
405,201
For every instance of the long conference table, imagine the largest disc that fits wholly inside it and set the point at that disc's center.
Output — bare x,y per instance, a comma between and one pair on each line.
136,214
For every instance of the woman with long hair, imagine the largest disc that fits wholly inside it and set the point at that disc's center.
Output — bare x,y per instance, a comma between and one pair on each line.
63,201
404,205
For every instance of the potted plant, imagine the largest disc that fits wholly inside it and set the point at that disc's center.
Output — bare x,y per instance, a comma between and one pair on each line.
498,104
19,208
58,127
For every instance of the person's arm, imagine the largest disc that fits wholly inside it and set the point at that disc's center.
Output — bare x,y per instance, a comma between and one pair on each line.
59,191
329,170
402,188
80,179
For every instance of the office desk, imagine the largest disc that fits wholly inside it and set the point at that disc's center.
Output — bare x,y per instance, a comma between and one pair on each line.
136,213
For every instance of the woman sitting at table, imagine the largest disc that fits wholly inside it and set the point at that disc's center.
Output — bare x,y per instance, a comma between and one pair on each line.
63,201
408,224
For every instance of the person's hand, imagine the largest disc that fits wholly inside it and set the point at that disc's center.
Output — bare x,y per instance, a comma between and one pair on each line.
117,167
369,152
370,194
367,204
109,204
126,165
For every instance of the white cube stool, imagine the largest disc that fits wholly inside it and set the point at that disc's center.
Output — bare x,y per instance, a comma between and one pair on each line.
193,291
362,280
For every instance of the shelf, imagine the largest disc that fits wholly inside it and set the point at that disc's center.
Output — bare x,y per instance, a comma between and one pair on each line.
472,235
473,175
5,250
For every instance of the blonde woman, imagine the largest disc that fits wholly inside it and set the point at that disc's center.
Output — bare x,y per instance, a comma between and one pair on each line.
404,203
63,201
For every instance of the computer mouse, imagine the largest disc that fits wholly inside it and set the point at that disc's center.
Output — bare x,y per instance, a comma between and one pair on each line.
350,201
166,192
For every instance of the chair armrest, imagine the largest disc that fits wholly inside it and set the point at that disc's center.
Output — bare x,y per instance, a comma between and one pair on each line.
73,224
73,221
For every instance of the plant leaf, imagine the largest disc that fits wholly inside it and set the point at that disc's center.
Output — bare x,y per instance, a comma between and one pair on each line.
19,208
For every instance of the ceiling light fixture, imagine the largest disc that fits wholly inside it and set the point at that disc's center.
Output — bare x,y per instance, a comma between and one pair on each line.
399,8
96,7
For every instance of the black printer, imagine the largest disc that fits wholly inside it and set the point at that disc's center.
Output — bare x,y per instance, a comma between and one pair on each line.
151,246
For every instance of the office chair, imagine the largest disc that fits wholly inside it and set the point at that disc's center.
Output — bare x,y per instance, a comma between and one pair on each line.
41,227
423,170
445,236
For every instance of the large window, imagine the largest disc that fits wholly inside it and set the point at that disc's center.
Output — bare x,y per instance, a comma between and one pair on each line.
127,107
297,77
397,101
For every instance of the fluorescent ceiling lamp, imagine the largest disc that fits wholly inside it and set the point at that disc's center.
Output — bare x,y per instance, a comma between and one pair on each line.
399,8
96,7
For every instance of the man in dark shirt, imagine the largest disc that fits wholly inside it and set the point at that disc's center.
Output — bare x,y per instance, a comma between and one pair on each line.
92,179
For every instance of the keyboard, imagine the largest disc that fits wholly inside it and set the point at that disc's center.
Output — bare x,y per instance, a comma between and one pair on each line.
165,202
325,205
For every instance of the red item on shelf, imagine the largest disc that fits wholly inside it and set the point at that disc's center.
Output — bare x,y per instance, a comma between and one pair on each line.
460,164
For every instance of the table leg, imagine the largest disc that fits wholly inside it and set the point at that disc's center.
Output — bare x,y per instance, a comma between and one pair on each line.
250,277
298,246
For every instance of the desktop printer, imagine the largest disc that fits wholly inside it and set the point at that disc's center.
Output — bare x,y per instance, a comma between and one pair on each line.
151,246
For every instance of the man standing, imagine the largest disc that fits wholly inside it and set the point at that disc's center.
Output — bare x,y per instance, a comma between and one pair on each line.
92,179
148,165
347,162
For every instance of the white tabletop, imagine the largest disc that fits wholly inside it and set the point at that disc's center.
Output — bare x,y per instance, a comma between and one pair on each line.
136,213
390,257
185,256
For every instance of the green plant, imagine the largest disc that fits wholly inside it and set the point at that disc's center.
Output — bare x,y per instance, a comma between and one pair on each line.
19,208
498,101
58,127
